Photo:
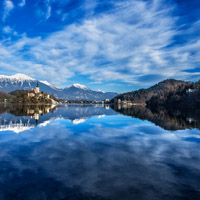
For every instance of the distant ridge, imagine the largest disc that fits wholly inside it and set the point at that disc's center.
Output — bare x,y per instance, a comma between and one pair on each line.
72,92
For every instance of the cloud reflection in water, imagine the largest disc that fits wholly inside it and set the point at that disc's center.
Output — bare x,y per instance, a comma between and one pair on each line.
114,157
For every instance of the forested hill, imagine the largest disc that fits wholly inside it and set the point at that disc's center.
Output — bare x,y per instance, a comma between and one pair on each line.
161,88
21,96
5,97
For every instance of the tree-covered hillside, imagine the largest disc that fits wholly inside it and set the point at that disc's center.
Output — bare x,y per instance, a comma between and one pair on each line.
187,95
164,87
6,97
21,96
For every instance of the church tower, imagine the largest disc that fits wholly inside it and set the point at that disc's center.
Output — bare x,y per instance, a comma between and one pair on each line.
37,89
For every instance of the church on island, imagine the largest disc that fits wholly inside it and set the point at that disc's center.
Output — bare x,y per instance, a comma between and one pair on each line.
36,92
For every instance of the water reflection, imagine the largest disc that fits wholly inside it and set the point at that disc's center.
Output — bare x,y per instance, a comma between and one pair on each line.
18,118
108,156
23,117
169,119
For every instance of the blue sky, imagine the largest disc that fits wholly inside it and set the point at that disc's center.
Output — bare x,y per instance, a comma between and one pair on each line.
112,45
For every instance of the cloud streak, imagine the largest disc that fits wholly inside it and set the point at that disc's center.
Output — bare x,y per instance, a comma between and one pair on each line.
134,43
8,6
43,10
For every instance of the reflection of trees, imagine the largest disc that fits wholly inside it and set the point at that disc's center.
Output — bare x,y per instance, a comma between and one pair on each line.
76,113
169,119
26,110
23,117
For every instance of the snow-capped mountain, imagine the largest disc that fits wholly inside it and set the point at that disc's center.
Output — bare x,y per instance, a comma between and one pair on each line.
100,91
73,92
23,82
81,92
49,84
79,86
17,77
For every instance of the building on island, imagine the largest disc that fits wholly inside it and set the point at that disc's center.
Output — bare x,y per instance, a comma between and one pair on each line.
36,92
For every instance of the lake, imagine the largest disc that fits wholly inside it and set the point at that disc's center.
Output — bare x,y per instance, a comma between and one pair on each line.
85,152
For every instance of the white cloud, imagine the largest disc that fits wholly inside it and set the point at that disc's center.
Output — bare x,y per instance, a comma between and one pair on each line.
43,10
7,29
8,6
127,44
22,3
48,13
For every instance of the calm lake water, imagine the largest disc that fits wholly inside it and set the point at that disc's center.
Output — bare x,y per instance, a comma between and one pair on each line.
76,152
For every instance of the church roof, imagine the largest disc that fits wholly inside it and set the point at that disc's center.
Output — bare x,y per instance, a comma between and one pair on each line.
31,91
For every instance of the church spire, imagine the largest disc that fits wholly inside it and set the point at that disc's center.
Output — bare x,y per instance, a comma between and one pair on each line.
37,89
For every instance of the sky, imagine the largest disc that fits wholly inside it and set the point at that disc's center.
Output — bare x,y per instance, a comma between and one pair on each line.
112,45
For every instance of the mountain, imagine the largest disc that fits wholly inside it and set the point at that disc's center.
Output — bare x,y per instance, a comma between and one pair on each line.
144,95
78,92
23,82
167,94
185,96
73,92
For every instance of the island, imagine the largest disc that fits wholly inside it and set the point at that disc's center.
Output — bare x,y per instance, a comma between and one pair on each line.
33,96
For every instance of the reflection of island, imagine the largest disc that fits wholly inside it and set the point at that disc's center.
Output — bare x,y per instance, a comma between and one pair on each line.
169,119
36,111
18,118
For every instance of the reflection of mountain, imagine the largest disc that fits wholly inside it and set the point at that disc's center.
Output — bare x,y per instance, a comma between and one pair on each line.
18,118
77,114
119,160
167,119
16,126
78,121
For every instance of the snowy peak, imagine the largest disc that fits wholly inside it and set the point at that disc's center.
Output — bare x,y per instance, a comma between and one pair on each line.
100,91
17,77
73,92
79,86
21,77
46,83
49,84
